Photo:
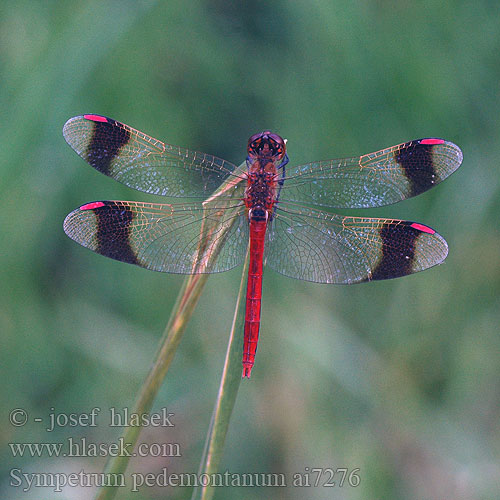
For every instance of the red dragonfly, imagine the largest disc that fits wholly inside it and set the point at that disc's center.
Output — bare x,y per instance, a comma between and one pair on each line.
261,203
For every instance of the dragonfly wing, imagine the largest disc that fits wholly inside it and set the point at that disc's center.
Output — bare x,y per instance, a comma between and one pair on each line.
328,248
162,237
141,162
376,179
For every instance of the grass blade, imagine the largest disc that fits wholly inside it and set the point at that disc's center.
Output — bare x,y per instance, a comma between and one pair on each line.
183,310
226,397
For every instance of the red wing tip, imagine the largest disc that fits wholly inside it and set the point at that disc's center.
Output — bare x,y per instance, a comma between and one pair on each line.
96,118
432,140
247,370
421,227
93,205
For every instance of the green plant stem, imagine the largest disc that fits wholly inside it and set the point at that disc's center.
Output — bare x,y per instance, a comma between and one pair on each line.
186,301
226,397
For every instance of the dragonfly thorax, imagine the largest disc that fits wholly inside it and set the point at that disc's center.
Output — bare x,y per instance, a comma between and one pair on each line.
260,193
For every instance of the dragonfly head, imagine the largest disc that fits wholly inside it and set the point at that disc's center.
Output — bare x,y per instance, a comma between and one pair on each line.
266,145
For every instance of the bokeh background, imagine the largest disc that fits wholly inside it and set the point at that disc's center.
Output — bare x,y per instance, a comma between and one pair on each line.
399,379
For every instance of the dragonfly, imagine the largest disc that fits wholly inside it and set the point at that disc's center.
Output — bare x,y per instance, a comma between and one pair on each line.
263,206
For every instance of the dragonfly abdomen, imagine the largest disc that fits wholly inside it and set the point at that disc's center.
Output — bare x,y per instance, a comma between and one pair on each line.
254,292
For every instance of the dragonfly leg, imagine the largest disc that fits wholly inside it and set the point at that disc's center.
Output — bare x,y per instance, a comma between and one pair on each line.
283,162
281,180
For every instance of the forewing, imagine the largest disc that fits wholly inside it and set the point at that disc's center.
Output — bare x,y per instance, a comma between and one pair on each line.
376,179
141,162
162,237
326,248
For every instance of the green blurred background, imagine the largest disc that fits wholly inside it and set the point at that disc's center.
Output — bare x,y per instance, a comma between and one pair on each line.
399,379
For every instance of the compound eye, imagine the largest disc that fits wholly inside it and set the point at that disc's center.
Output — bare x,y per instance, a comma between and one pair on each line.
254,137
278,143
254,144
275,137
276,146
